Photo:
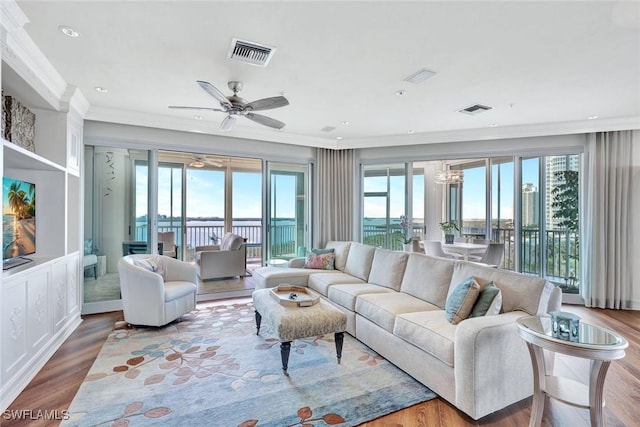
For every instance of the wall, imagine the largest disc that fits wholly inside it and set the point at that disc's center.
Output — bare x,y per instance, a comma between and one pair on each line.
472,149
635,293
127,136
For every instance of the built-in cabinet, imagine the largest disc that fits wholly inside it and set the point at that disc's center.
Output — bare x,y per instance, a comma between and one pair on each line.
40,302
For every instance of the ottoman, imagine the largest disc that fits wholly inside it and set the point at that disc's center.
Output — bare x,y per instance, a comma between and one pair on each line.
290,323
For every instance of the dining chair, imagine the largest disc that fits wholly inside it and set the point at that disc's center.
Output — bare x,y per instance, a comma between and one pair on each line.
481,241
434,248
494,255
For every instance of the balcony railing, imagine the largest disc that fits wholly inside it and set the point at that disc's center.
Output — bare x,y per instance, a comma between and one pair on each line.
562,250
283,237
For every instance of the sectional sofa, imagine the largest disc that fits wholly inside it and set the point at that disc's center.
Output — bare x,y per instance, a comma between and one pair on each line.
394,302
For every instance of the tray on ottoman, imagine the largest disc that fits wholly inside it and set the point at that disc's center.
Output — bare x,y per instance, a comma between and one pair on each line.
294,296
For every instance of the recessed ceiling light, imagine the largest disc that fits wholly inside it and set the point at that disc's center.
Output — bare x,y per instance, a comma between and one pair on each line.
592,117
345,122
420,76
494,125
101,89
68,31
411,131
338,138
197,117
400,92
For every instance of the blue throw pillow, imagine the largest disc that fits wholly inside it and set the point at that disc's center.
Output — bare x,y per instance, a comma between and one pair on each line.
461,300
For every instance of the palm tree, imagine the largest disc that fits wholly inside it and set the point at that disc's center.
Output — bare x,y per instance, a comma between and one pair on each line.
18,200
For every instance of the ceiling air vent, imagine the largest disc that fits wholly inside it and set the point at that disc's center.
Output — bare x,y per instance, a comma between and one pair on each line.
251,52
328,128
475,109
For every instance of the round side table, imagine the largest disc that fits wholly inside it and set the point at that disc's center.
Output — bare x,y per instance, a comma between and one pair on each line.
598,344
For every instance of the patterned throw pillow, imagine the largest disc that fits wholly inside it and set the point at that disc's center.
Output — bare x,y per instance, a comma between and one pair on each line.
320,259
153,264
460,302
489,301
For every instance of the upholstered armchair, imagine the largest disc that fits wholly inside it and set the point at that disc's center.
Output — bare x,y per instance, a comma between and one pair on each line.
90,259
169,247
228,259
156,289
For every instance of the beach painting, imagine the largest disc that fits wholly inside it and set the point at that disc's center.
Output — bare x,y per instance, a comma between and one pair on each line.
18,218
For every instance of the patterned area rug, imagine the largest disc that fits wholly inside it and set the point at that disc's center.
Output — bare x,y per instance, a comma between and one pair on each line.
211,369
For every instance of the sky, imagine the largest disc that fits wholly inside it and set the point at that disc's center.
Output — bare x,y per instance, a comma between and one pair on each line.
474,192
205,193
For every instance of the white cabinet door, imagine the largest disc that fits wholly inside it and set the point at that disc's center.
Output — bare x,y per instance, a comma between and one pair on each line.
59,293
73,303
14,325
38,323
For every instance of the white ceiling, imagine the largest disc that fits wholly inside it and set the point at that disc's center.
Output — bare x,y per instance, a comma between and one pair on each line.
544,67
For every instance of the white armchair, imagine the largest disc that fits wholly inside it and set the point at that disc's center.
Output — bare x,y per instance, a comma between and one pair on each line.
229,259
150,299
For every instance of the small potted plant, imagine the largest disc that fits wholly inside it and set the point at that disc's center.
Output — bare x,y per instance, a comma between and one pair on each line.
448,228
406,233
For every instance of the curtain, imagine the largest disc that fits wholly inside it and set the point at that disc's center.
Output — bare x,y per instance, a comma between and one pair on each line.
606,248
335,195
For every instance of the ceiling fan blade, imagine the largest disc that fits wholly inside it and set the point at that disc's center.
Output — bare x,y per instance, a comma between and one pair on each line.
228,123
180,107
267,103
264,120
213,91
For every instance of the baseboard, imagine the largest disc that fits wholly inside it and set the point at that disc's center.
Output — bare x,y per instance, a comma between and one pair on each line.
14,386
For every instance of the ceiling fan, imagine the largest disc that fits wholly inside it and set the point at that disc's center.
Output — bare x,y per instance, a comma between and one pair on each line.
234,106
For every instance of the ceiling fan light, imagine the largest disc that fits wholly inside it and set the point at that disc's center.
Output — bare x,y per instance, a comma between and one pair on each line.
227,123
449,176
196,164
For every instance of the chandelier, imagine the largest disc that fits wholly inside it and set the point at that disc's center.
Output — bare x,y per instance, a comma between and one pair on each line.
449,176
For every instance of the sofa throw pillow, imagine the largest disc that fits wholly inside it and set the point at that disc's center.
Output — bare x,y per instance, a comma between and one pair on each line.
320,259
461,300
153,264
489,301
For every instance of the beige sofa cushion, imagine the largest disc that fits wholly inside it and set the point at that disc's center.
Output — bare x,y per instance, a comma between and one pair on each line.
388,268
359,260
519,291
428,278
341,251
382,309
429,331
346,295
320,282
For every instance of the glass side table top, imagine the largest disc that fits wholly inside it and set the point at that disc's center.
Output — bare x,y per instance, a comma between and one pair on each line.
589,336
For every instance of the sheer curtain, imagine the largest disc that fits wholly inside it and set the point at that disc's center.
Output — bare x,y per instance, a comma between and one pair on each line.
606,248
335,195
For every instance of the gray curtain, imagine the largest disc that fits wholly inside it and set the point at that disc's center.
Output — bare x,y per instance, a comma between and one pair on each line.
335,195
606,247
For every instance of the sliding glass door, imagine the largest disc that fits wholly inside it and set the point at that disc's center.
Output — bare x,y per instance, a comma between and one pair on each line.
384,202
287,230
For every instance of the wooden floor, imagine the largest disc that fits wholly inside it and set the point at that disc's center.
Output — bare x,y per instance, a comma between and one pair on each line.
55,386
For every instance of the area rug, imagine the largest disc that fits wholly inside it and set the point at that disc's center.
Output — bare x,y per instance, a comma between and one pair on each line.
211,369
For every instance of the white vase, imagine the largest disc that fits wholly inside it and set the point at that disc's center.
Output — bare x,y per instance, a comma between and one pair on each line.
407,247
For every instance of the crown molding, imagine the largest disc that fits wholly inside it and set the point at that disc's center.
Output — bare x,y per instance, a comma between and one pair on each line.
494,133
138,118
26,59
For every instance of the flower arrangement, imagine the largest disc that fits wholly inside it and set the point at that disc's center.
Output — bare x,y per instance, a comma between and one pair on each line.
406,230
449,227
